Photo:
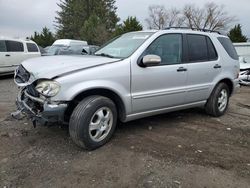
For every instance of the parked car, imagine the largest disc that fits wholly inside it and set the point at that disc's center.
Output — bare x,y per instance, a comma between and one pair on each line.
42,50
244,77
14,51
138,74
78,50
61,44
243,50
47,48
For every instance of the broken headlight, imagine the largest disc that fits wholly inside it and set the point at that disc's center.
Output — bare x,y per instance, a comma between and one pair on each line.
48,88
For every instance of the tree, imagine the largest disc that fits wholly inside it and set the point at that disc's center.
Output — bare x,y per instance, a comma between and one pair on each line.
130,24
76,16
160,17
94,31
45,38
211,16
235,34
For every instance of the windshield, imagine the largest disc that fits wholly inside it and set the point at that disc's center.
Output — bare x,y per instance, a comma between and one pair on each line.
125,45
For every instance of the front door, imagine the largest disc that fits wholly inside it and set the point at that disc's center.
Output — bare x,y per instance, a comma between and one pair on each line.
162,86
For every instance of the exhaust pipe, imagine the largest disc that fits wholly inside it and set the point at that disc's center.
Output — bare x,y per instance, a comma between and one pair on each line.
18,115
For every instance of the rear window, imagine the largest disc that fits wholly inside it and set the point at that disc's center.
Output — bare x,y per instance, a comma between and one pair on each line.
13,46
228,46
2,46
32,47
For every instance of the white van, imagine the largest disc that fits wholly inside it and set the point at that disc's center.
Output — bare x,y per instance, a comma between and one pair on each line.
14,51
243,51
242,48
63,44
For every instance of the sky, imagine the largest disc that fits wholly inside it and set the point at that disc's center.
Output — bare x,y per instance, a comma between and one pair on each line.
20,18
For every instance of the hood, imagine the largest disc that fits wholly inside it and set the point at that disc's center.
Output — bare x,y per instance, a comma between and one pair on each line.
51,66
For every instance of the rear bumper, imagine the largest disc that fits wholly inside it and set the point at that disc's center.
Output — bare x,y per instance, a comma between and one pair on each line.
39,109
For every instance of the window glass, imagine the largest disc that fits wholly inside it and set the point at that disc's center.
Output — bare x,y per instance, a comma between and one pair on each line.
2,46
13,46
124,45
168,47
212,54
32,47
197,48
228,46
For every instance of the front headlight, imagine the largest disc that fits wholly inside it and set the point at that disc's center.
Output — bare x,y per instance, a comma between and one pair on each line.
48,88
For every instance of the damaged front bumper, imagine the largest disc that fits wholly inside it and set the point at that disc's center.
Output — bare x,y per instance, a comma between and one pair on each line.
38,109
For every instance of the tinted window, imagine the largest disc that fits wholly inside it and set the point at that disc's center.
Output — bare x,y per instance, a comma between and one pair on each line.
197,48
13,46
228,46
168,47
32,47
2,46
212,54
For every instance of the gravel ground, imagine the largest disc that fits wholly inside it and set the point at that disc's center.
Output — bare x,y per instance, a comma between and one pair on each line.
181,149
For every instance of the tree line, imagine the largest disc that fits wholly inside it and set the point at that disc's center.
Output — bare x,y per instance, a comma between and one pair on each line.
96,21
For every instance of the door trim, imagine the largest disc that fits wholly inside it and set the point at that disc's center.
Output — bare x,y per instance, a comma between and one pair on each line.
139,115
156,94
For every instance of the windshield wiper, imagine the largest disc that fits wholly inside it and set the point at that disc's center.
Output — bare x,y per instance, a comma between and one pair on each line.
105,55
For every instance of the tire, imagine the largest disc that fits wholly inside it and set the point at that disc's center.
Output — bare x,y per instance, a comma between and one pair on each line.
93,122
217,103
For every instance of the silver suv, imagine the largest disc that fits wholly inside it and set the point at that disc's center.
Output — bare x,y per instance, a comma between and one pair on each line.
136,75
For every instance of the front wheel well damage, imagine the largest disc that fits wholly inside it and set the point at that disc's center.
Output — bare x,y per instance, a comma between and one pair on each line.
102,92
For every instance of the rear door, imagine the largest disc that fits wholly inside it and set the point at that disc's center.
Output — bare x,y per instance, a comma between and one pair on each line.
203,67
3,52
32,50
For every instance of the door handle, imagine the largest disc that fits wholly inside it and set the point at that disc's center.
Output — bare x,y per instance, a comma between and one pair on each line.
217,66
7,55
181,69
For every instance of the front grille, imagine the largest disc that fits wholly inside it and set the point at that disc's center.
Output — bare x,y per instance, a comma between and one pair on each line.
21,75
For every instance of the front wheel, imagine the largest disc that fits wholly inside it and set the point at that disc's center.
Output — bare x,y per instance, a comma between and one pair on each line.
217,103
93,122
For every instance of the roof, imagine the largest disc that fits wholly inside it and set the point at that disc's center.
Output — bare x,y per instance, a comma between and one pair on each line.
67,42
16,39
186,30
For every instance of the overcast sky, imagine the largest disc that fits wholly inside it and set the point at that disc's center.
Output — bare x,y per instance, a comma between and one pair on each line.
20,18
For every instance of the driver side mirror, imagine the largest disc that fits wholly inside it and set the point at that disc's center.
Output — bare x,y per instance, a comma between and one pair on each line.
150,60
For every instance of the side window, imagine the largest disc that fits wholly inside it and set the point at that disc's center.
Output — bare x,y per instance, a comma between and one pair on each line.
13,46
228,46
197,48
168,47
2,46
32,47
212,54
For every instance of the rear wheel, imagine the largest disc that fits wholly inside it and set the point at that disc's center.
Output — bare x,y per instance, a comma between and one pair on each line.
93,122
217,103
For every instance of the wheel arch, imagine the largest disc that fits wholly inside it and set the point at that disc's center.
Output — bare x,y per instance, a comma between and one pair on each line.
121,109
229,83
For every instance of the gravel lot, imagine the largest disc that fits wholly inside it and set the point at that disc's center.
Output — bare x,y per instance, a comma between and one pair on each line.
180,149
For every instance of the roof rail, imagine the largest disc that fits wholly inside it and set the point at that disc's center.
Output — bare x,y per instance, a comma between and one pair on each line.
194,29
